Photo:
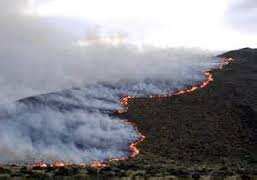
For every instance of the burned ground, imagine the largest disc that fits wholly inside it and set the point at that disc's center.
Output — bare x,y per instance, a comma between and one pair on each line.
211,129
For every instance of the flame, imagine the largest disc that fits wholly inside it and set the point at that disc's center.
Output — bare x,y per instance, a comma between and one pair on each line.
133,147
98,165
134,150
58,164
125,102
39,165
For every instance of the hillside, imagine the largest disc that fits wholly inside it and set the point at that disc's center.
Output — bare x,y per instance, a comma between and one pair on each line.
209,131
213,129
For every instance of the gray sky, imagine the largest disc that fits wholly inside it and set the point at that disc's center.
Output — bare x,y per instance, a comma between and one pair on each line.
207,24
242,16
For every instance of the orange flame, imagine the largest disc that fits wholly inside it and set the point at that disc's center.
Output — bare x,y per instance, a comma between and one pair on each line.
133,147
125,102
39,165
134,150
58,164
98,165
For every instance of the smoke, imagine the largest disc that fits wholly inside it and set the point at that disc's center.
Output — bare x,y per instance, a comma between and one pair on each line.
40,56
76,125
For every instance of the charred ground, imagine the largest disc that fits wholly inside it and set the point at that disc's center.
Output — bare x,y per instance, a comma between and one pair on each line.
210,131
213,129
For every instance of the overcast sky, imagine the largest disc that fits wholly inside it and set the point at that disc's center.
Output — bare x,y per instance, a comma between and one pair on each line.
200,23
242,15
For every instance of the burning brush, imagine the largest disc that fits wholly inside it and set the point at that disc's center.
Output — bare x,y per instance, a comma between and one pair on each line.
133,149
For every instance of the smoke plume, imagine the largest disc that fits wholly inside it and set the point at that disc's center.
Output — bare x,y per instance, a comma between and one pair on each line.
74,124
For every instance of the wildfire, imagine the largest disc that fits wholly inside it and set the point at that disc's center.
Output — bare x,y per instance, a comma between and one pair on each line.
58,164
98,165
133,147
134,151
225,61
125,101
209,78
39,165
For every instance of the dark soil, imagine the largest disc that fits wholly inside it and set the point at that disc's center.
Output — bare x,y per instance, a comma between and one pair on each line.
210,131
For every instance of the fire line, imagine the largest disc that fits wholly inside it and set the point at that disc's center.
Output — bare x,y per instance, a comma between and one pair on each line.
134,150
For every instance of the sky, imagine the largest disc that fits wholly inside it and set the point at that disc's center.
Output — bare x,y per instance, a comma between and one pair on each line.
242,15
200,23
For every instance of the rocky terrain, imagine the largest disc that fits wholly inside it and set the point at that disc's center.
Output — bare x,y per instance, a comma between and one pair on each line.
211,131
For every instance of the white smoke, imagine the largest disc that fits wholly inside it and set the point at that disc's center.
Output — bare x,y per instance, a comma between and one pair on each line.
39,56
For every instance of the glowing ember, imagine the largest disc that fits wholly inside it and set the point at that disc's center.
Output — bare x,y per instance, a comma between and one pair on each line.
58,164
98,165
133,147
125,100
134,151
209,79
39,165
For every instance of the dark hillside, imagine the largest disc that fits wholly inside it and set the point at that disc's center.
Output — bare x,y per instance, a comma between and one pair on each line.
209,131
212,127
